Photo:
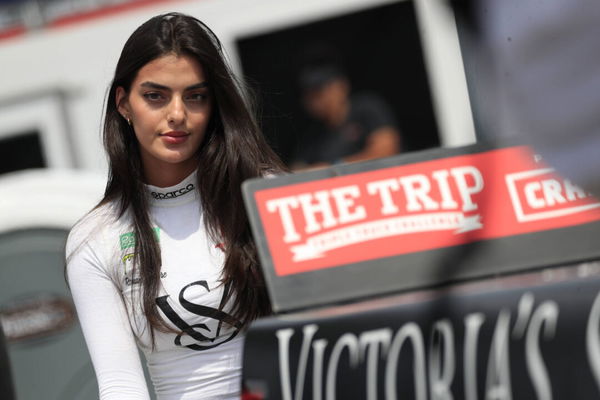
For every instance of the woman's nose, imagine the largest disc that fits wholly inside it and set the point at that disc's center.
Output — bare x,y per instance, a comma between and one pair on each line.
176,113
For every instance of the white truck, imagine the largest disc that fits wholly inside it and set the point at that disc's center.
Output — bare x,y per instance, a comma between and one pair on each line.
55,72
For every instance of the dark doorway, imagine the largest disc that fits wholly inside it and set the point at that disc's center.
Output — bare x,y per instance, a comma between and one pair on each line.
21,151
380,49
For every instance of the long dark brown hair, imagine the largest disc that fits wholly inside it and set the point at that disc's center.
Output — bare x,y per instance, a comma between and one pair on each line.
232,151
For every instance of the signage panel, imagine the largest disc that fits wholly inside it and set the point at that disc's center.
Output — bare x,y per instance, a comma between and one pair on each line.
364,229
531,336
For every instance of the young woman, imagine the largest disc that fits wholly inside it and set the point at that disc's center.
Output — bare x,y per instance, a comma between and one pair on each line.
166,260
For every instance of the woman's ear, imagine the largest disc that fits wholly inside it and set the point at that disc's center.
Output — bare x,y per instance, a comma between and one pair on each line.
122,102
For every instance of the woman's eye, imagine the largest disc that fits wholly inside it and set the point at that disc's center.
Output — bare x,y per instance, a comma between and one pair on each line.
197,97
153,96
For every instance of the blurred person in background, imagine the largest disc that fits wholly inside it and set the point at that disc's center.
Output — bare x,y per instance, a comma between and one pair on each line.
347,127
166,260
534,75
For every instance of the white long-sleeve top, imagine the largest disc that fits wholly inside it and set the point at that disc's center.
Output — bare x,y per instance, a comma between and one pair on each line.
202,363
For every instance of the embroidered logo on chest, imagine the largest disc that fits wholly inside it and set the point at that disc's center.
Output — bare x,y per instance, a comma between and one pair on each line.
127,256
205,337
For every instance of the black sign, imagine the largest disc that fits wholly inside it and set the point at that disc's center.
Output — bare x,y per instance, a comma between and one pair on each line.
530,336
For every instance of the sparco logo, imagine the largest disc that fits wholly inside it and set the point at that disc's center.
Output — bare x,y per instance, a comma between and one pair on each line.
174,193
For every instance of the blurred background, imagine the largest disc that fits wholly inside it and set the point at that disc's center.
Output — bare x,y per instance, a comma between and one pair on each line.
56,62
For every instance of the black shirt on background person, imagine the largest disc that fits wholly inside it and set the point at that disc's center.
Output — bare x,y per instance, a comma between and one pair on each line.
346,127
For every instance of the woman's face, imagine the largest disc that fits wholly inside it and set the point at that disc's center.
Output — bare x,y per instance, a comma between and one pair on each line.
169,106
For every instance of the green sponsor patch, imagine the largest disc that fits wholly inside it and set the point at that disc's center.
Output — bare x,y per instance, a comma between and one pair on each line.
127,240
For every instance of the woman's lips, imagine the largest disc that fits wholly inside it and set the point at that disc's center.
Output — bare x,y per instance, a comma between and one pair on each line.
174,137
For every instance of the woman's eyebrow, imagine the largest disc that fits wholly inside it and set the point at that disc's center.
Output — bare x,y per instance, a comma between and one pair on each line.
200,85
153,85
158,86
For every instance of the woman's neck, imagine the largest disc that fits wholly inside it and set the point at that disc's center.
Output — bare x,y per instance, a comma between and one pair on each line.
169,174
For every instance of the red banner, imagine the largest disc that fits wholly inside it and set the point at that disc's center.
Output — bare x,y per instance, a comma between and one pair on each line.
417,207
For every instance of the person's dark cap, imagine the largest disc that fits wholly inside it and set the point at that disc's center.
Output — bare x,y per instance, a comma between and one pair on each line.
316,77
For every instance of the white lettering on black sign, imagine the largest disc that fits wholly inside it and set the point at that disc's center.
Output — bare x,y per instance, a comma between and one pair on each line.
433,355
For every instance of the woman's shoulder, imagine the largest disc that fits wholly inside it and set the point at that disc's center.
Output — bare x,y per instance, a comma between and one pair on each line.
93,227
